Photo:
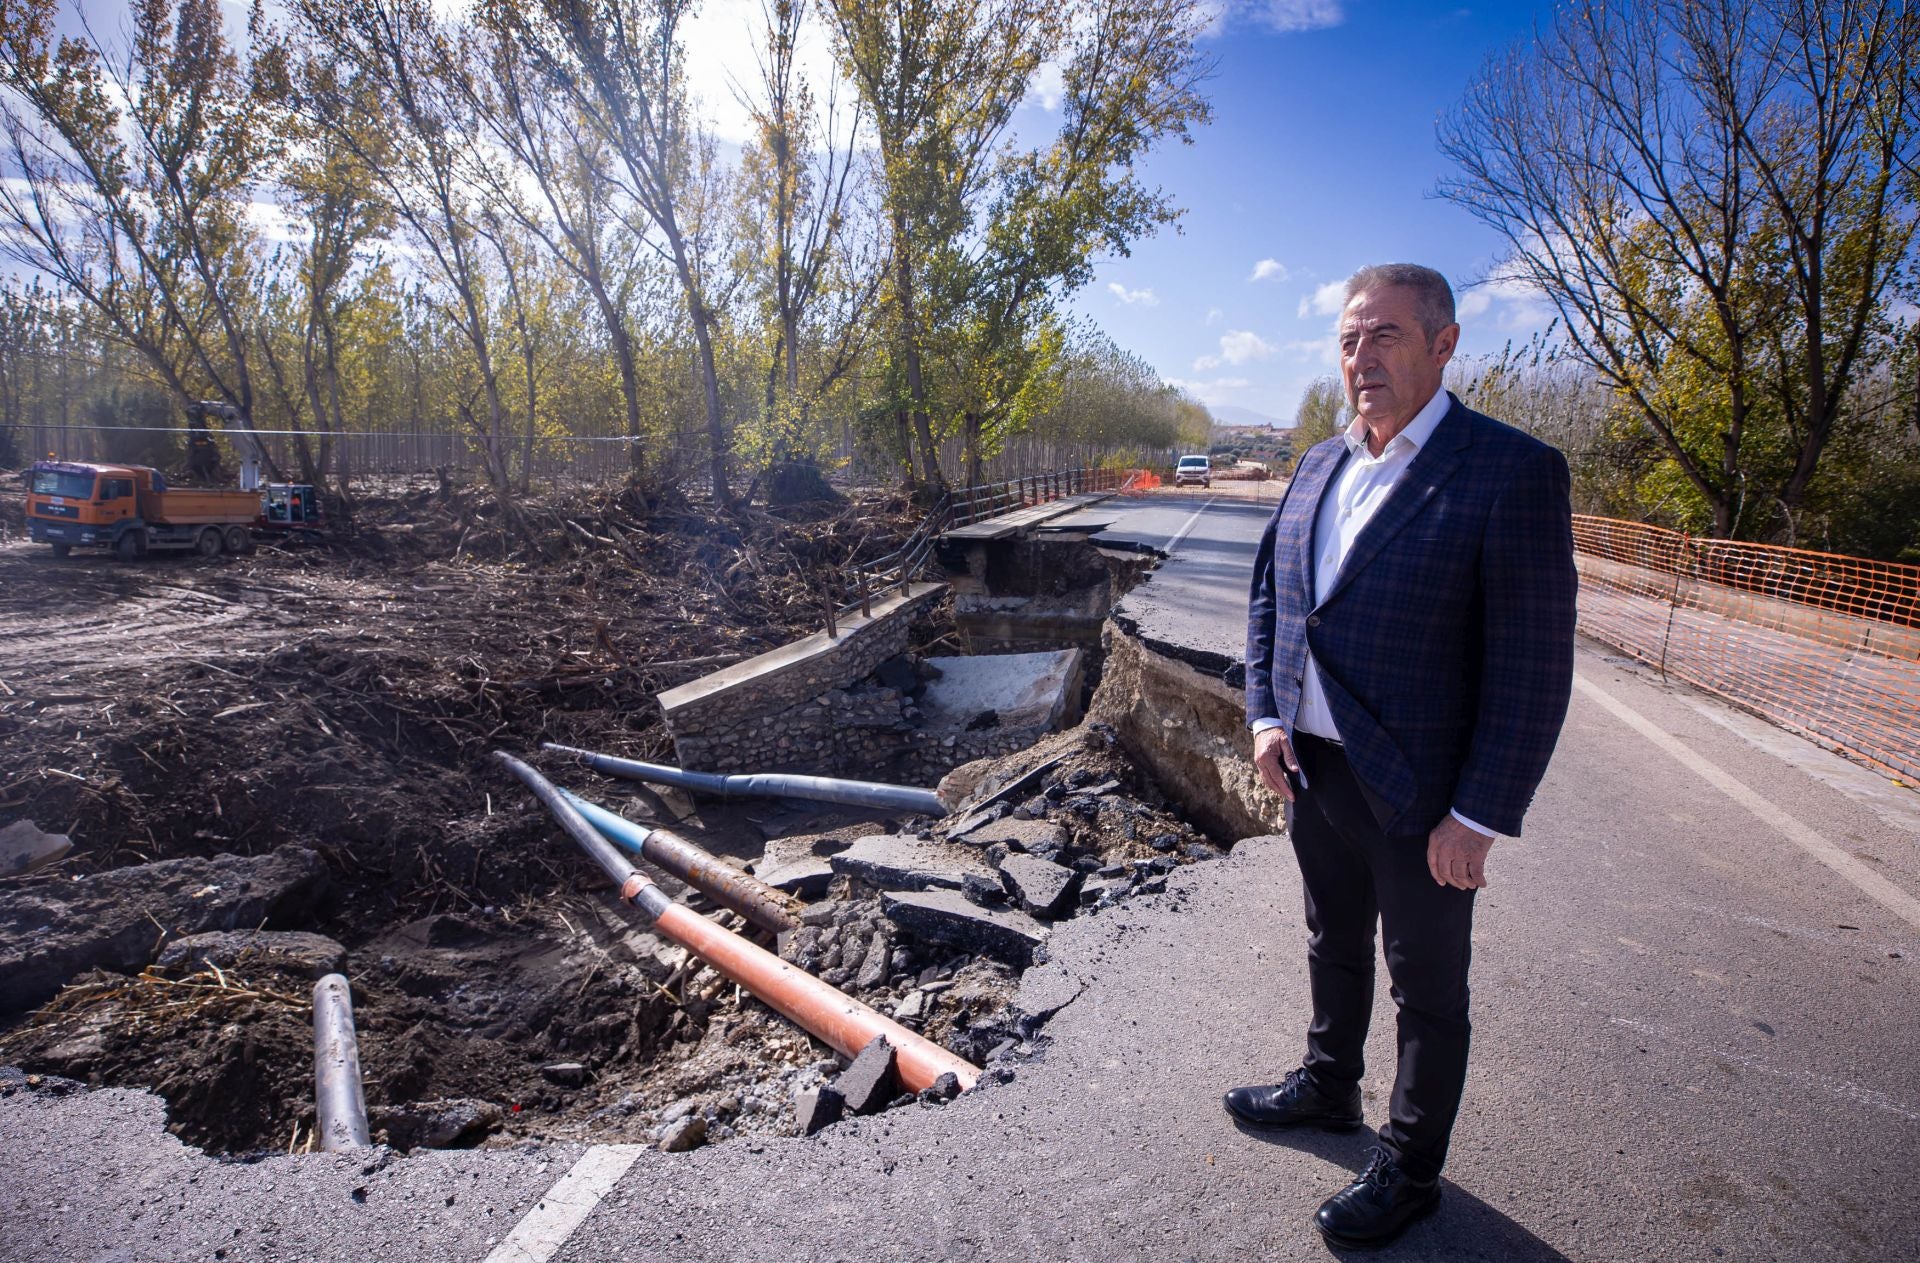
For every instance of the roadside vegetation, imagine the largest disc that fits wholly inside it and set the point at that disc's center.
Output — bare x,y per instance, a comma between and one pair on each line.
515,223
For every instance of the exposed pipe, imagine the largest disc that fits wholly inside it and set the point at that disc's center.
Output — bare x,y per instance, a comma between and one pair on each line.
839,1020
826,789
667,850
340,1107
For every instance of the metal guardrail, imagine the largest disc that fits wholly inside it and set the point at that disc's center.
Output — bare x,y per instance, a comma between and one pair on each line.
961,506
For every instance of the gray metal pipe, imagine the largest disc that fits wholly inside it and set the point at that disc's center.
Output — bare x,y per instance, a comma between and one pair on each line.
694,865
831,1015
826,789
634,888
340,1107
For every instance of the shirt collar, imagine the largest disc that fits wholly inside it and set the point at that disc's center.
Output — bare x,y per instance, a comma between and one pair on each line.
1418,430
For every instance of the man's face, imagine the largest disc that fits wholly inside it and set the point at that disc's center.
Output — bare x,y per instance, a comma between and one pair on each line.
1389,368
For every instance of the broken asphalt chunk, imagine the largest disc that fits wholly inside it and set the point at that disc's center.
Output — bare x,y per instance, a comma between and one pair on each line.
312,956
53,929
817,1108
870,1082
892,861
945,916
1040,886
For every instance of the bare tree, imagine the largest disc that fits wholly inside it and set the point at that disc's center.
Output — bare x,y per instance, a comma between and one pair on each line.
132,171
619,62
1711,194
399,52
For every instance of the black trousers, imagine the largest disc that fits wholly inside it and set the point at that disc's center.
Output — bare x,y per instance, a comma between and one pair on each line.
1356,876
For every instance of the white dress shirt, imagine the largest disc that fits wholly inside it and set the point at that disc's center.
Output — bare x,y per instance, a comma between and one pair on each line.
1346,506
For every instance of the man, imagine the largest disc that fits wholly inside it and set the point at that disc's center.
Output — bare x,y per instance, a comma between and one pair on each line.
1409,660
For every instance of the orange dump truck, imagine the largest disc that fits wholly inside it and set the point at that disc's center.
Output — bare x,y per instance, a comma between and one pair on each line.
132,510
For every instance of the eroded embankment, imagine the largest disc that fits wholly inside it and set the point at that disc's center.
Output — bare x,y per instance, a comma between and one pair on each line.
501,993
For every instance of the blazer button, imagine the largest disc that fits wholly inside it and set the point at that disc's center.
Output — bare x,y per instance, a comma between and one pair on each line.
1313,620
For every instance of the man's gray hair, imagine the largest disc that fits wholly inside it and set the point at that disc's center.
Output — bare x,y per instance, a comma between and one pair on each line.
1433,297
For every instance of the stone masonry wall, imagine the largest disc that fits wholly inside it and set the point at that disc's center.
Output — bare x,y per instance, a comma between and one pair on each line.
814,717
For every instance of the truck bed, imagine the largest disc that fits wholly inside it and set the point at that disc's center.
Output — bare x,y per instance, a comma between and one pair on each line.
193,506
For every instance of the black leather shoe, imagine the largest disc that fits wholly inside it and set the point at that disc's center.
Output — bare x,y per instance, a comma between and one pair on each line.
1295,1101
1377,1207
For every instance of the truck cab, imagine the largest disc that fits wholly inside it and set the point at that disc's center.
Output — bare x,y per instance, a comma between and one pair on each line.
132,510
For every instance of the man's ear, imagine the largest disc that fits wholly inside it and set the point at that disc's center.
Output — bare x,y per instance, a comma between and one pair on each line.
1444,343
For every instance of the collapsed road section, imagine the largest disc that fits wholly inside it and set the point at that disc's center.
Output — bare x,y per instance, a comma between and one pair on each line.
500,991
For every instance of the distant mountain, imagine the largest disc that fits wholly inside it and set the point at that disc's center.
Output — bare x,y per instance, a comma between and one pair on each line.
1233,414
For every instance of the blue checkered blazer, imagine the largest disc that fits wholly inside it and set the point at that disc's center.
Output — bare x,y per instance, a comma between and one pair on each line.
1446,644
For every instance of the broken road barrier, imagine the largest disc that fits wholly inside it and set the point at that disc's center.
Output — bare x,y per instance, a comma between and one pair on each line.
837,1019
340,1106
725,885
826,789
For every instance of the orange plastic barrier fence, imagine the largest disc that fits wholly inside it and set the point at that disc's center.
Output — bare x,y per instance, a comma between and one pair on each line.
1826,645
1141,480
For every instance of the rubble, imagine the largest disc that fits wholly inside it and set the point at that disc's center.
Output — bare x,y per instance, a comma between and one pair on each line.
296,952
892,861
684,1134
945,916
869,1084
25,848
818,1107
1043,888
53,928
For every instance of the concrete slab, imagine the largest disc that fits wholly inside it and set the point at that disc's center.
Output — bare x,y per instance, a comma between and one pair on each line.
893,861
1021,689
801,653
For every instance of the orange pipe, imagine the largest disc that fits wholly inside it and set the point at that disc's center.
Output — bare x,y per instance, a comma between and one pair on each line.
824,1011
842,1022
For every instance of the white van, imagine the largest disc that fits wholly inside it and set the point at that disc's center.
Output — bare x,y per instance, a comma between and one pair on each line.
1193,469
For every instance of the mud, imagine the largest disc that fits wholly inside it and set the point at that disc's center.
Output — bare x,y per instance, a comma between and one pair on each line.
343,699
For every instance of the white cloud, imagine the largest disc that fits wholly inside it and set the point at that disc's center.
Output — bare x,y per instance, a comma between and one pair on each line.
1048,86
1268,270
1237,346
1133,297
1210,390
1473,303
1276,15
723,40
1325,301
1214,316
1325,351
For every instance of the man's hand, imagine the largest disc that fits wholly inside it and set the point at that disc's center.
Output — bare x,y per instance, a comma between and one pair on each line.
1457,855
1273,756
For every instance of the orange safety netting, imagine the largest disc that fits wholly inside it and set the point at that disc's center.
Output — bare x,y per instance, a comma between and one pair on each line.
1823,644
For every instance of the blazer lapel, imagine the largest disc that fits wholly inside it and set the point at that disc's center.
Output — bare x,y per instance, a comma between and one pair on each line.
1310,486
1432,465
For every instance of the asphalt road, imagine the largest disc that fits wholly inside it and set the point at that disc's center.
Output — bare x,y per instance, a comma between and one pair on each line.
1694,1034
1194,605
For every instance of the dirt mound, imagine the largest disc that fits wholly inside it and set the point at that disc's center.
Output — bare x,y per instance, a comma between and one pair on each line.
342,698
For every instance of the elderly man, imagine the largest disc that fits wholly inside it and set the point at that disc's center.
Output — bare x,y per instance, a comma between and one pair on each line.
1409,660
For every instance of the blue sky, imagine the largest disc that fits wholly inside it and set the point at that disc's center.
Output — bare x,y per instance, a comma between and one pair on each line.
1321,158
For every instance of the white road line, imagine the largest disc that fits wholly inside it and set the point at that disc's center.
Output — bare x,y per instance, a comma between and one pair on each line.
1870,883
1188,526
545,1228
